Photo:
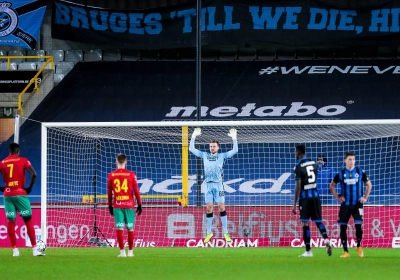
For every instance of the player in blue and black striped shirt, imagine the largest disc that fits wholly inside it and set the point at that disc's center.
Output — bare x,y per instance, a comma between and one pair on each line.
306,174
352,180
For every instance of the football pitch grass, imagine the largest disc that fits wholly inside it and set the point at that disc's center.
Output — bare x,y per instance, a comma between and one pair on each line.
199,263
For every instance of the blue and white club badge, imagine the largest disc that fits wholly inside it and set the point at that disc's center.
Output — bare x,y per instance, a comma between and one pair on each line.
8,19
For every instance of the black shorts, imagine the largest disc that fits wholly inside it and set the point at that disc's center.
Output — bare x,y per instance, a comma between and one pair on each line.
346,211
310,208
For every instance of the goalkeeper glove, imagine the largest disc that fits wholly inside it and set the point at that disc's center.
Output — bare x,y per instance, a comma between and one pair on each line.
196,132
111,209
28,190
2,189
233,133
139,210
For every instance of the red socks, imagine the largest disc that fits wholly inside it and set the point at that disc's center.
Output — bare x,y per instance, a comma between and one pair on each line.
131,236
120,239
11,234
31,232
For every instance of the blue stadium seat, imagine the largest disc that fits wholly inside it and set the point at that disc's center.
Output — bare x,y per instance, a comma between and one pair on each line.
17,53
27,66
247,54
39,65
13,66
93,55
130,55
386,52
112,55
35,53
228,54
306,54
286,53
268,54
58,78
58,55
73,55
64,67
3,53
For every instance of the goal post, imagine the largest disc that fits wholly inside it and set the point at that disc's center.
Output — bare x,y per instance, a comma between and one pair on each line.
258,181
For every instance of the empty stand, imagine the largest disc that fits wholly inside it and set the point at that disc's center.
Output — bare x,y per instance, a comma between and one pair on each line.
58,55
112,55
247,54
64,67
13,66
17,53
228,54
93,55
266,54
58,78
73,55
35,53
39,65
27,66
3,53
130,55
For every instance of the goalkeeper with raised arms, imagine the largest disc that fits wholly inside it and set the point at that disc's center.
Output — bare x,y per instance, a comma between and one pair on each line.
213,171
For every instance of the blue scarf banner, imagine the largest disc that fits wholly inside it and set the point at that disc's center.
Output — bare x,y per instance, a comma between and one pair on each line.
290,22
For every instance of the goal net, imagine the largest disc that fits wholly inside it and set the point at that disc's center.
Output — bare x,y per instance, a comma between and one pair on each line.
258,181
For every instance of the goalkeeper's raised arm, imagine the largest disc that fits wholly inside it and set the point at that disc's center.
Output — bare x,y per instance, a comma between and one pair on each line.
192,149
233,134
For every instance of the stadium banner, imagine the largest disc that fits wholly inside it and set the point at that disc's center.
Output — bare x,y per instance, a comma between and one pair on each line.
16,81
185,227
20,22
228,22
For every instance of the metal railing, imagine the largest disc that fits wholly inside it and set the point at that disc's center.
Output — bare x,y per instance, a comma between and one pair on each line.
50,60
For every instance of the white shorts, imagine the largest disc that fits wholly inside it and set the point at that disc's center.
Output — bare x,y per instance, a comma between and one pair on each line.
215,192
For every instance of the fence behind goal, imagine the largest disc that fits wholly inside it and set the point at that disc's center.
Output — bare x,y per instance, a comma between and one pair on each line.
258,180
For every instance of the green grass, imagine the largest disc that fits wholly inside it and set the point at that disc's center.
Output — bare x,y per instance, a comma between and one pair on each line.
199,263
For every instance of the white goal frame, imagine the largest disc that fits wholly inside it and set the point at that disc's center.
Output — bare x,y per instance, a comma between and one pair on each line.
190,124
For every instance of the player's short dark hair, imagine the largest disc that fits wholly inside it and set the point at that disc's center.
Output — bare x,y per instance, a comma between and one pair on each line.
214,141
301,149
14,148
349,154
322,157
121,158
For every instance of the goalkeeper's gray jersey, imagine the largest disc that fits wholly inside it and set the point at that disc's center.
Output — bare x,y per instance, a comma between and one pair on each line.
213,163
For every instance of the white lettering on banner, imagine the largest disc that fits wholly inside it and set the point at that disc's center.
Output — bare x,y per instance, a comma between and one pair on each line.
181,226
62,233
174,185
297,109
248,187
221,243
163,186
323,69
396,242
395,231
3,232
143,243
225,111
320,243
